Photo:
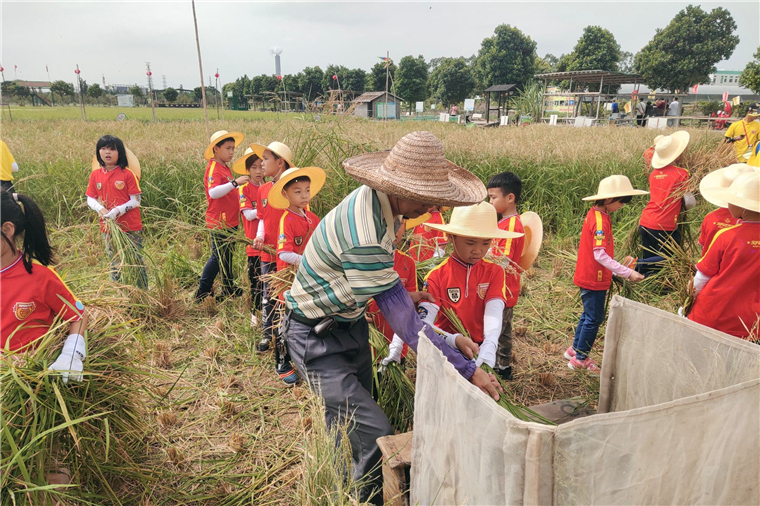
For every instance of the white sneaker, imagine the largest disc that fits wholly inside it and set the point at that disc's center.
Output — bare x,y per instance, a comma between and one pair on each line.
254,321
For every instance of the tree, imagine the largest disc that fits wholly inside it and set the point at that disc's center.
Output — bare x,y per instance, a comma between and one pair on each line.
170,94
137,93
685,52
451,81
354,80
377,76
542,66
310,82
95,91
750,77
328,83
551,60
62,89
9,89
626,63
411,79
508,57
597,49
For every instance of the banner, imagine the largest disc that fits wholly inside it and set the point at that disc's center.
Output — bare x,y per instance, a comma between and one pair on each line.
420,106
695,89
725,96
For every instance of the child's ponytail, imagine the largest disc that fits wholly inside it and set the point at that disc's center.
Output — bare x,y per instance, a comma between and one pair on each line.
28,220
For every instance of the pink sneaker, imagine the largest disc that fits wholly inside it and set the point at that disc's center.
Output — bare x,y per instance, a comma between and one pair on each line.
570,353
589,364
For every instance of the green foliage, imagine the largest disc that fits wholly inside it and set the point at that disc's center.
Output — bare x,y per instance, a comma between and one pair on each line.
95,91
411,79
451,81
170,94
507,57
376,77
137,93
542,66
626,63
686,51
597,49
328,83
708,107
310,82
529,101
62,89
750,77
354,80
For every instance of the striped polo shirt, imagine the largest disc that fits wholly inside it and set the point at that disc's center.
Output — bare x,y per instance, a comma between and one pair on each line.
348,260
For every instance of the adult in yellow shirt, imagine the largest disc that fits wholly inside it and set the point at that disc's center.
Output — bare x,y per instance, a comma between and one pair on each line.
744,134
754,159
7,167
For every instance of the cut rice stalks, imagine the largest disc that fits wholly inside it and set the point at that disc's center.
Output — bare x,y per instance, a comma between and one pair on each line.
394,391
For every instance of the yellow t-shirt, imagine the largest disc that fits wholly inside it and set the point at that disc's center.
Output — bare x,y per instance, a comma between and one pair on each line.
6,162
754,159
752,132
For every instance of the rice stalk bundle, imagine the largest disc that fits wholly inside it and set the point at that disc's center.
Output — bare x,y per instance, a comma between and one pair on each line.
425,266
126,255
506,399
281,280
93,430
394,390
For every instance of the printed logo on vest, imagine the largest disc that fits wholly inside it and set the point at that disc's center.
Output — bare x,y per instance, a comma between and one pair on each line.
98,186
23,310
483,289
455,294
119,185
264,202
298,240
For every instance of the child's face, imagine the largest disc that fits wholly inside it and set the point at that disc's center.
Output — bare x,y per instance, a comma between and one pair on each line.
225,152
256,172
470,249
109,156
501,202
271,164
613,206
298,194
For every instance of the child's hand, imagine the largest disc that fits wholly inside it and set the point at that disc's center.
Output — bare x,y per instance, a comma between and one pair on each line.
112,214
242,180
635,277
467,346
418,297
258,243
487,383
103,212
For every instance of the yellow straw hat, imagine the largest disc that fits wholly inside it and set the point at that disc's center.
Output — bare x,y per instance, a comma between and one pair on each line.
315,174
278,148
744,192
722,178
239,166
410,224
669,148
218,136
615,186
479,221
133,163
417,169
534,236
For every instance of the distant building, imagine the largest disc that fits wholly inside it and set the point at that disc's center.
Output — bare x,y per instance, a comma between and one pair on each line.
372,105
725,77
721,82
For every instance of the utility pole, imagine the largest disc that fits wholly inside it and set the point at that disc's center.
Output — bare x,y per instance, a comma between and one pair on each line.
163,80
150,89
200,68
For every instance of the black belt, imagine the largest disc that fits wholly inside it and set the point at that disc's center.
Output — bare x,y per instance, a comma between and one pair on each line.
313,323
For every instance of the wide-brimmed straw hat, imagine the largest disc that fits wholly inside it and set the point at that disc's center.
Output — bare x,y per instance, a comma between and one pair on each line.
479,221
416,169
534,236
315,174
239,166
615,186
218,136
410,224
669,148
744,192
133,163
722,178
278,148
657,139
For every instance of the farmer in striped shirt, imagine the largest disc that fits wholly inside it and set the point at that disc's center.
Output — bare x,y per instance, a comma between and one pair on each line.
348,261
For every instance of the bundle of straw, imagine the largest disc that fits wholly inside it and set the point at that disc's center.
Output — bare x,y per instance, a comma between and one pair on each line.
95,430
280,281
506,399
394,390
126,255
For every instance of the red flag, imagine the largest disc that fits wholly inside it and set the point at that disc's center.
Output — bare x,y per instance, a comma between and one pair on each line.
725,96
695,89
15,67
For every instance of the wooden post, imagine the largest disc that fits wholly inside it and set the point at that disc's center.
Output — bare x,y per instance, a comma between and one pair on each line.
200,67
543,104
599,97
387,75
488,107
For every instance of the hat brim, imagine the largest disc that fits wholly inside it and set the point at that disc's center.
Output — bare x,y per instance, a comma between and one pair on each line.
534,236
237,136
260,148
727,196
711,182
133,164
601,196
682,138
317,176
474,233
463,188
412,223
239,166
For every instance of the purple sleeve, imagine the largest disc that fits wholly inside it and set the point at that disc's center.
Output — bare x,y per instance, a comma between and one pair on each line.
398,310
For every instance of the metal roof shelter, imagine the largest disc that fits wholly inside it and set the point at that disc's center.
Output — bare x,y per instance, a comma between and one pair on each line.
600,77
503,91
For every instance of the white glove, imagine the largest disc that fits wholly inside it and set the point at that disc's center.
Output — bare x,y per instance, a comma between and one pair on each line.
394,351
112,214
689,201
680,312
487,354
69,362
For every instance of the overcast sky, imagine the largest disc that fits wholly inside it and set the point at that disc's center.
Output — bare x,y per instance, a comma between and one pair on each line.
115,39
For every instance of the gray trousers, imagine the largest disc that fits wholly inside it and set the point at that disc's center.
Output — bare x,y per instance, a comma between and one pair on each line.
338,366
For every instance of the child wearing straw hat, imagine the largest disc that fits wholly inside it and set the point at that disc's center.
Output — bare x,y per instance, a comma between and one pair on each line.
222,214
648,154
114,193
727,282
659,219
596,265
292,193
426,243
473,288
721,218
744,134
276,158
250,164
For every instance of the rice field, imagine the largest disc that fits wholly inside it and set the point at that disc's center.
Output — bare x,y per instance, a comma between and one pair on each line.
217,426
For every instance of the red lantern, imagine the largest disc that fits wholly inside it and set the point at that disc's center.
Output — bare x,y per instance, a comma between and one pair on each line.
76,71
216,75
279,78
335,77
1,69
149,73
